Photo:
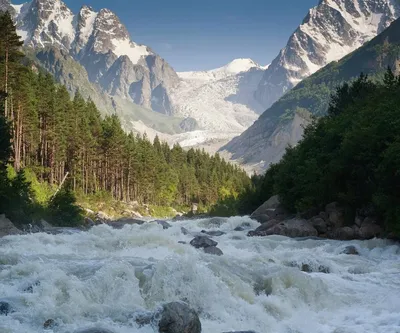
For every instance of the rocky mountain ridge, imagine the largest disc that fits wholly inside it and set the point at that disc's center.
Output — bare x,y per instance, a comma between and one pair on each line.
331,30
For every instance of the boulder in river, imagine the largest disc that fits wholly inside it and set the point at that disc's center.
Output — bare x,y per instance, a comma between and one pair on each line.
215,233
178,317
202,242
350,250
119,224
49,324
213,250
164,224
293,228
7,228
5,308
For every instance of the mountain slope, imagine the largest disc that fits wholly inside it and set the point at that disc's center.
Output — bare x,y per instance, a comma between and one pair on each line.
265,141
331,30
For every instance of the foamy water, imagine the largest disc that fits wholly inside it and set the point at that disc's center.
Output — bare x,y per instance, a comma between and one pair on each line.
105,277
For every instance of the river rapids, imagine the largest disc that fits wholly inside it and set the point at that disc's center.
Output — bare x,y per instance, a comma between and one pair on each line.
106,277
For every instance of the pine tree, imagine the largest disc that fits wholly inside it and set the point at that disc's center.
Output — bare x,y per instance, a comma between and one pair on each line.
10,54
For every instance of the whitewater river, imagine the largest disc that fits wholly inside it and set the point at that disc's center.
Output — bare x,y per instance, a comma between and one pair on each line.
106,277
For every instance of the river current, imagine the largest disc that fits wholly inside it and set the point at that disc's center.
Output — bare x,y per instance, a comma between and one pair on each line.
106,277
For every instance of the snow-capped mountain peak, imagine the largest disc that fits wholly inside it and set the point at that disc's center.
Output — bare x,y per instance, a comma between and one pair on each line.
235,67
331,30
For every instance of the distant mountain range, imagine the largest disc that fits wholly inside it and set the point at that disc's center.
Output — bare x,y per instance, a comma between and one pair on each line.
92,51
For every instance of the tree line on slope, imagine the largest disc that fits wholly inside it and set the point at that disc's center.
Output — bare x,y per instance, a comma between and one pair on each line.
351,156
55,136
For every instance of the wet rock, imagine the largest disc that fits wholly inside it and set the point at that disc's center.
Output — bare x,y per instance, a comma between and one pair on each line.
178,317
202,242
319,224
213,250
119,224
293,228
350,250
89,222
266,226
239,229
345,233
358,221
310,269
262,218
181,242
7,228
370,229
94,330
49,324
164,224
253,233
215,233
102,217
5,308
185,231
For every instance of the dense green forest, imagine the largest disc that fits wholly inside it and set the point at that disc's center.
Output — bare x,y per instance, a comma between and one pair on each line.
351,156
55,137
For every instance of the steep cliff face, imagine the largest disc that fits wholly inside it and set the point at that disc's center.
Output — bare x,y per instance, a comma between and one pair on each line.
331,30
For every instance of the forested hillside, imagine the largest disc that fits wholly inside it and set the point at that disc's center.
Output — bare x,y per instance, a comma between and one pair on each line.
350,156
57,137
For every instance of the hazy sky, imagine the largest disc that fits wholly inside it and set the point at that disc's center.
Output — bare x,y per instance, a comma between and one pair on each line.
205,34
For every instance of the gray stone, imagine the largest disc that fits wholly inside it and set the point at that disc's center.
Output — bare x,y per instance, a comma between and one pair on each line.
350,250
345,233
164,224
119,224
214,233
293,228
266,226
202,242
5,308
239,229
182,242
178,317
370,229
185,231
213,250
7,228
319,224
49,324
271,203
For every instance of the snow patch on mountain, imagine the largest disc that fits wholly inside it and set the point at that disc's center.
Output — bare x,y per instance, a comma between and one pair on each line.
234,67
134,51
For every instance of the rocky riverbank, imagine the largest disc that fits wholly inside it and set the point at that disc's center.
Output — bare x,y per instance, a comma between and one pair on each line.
330,223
